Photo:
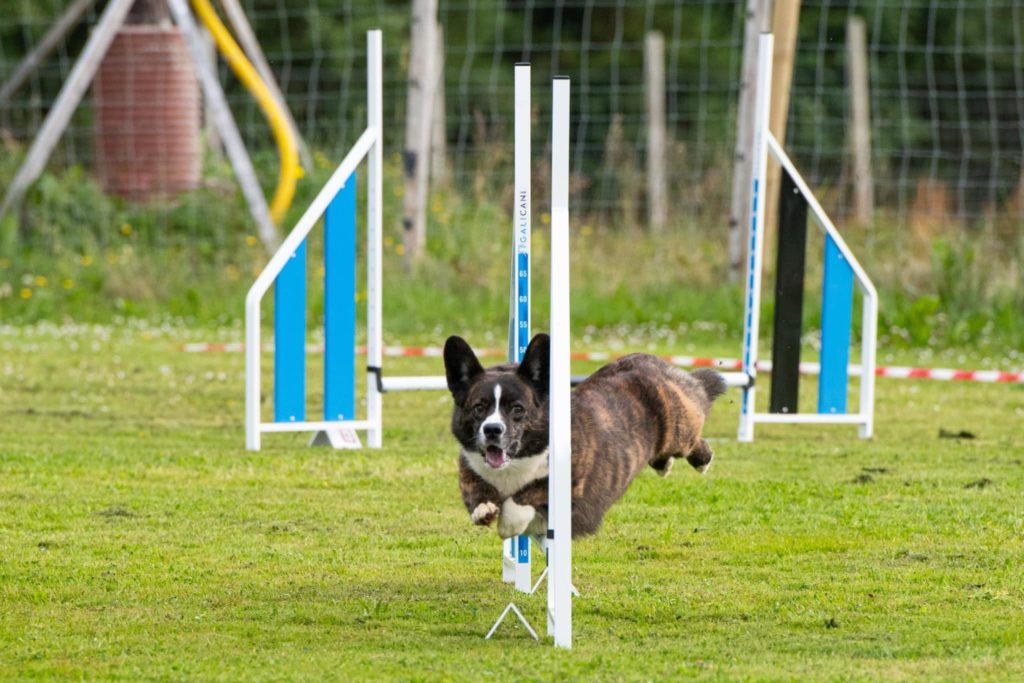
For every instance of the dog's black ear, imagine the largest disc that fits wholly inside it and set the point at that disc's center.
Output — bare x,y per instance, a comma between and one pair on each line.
535,369
460,367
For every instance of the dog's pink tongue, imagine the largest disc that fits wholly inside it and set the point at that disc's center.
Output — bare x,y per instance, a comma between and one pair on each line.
495,457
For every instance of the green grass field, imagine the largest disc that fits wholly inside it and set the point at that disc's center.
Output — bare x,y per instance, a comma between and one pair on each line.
139,540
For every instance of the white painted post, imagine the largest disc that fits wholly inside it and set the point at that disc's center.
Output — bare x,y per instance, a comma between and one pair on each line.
755,235
375,236
560,448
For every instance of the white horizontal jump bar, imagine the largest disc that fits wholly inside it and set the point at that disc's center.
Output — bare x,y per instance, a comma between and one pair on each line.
315,426
735,379
440,383
437,383
811,418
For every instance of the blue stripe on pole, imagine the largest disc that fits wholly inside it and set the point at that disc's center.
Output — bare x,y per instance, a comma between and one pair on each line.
836,323
340,304
523,317
523,550
290,339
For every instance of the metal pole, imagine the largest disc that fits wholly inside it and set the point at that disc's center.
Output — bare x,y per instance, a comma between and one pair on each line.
560,449
755,243
375,235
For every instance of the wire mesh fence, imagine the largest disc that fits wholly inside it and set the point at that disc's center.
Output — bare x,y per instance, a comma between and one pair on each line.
946,88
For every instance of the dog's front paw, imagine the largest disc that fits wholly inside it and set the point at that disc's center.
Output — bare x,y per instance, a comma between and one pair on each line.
484,513
514,518
700,458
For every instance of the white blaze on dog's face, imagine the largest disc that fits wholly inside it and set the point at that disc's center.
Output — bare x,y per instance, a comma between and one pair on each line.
500,413
491,434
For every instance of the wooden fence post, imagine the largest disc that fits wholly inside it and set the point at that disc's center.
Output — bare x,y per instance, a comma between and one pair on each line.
71,92
47,44
757,15
419,107
860,120
438,127
654,86
785,26
210,132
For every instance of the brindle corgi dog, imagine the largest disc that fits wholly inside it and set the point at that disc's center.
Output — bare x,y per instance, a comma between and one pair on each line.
633,412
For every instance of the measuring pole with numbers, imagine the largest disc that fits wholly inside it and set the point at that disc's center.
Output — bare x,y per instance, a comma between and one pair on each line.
516,566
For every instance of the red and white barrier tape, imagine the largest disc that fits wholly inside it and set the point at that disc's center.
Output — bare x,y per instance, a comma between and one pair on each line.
896,372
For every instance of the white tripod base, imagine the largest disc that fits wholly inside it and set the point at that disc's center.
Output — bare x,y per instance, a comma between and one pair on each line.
336,438
512,607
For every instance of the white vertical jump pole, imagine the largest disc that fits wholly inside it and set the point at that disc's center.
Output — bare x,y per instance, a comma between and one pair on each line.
374,237
755,243
868,354
560,447
515,565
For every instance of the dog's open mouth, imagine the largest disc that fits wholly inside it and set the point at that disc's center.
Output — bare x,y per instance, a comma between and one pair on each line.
495,457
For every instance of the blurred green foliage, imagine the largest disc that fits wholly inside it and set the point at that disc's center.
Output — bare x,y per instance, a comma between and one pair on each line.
85,256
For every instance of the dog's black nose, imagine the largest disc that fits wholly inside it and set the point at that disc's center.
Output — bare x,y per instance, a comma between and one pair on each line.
493,430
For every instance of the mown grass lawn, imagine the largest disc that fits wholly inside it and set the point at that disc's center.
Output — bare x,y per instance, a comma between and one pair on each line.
139,540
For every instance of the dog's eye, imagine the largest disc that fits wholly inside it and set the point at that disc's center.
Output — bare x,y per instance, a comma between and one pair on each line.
479,410
518,411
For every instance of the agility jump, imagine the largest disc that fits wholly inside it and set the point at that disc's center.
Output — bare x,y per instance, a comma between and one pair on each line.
286,271
841,270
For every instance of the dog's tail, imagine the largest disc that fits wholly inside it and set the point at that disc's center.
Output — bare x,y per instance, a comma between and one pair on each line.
713,383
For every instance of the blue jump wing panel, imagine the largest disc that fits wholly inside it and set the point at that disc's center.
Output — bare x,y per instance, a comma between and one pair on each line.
290,340
340,304
836,323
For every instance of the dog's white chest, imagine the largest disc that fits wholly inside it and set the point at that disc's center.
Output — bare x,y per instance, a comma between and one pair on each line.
515,475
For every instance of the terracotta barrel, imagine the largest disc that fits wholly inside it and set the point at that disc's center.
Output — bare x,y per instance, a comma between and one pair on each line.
147,115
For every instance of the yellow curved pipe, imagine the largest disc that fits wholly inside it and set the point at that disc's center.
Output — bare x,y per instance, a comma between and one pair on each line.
286,145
